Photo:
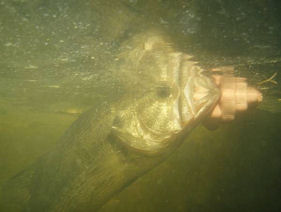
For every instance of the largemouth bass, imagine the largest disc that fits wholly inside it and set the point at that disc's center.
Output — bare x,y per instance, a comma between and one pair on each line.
110,146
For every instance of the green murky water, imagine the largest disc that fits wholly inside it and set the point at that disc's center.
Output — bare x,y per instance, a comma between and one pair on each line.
56,61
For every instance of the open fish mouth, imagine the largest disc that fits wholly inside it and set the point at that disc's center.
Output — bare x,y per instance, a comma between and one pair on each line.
199,94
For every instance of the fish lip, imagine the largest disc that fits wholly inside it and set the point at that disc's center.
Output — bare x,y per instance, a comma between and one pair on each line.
198,92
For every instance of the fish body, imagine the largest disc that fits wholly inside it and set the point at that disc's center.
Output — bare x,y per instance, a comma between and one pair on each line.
111,145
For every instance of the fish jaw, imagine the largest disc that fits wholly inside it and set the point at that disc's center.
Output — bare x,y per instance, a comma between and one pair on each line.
199,93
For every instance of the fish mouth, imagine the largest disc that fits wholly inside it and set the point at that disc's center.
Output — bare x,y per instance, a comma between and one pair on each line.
199,93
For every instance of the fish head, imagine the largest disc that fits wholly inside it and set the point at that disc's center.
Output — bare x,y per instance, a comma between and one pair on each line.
170,95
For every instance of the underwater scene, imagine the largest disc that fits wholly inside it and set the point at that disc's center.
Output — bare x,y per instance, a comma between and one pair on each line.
140,105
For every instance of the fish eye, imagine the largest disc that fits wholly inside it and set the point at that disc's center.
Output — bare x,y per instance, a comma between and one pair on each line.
163,91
